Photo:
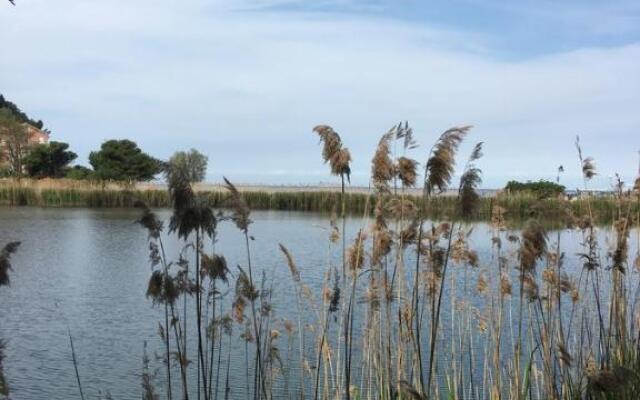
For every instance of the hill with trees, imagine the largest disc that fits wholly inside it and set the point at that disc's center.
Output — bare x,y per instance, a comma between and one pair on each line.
19,114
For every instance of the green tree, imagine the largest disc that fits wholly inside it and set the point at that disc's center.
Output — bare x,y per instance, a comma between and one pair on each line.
542,188
49,160
79,172
185,166
122,160
14,142
19,114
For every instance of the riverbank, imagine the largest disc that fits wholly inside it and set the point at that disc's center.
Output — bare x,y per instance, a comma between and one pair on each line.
70,193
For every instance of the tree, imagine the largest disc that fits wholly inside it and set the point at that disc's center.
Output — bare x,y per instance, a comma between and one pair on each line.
79,172
49,160
186,166
542,188
122,160
19,114
14,142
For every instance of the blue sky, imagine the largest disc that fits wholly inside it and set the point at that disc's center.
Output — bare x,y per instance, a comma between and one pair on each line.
245,81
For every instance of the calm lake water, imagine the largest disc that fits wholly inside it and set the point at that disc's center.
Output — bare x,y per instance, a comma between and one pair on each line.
86,271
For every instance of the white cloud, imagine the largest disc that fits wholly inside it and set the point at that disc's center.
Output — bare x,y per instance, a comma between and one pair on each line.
246,87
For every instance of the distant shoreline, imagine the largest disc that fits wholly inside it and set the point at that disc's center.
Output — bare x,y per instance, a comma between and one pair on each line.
69,193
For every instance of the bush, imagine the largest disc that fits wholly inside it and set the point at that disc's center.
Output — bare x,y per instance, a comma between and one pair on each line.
78,172
542,188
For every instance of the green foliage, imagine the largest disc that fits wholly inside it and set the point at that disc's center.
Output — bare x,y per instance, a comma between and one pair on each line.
79,173
122,160
14,141
185,166
49,160
20,116
542,188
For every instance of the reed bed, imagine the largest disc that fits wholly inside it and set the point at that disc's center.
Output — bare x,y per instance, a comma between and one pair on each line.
413,311
519,207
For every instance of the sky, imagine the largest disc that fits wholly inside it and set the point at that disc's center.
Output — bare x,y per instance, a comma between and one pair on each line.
246,81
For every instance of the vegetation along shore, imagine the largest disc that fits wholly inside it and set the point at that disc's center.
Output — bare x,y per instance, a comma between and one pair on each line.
76,193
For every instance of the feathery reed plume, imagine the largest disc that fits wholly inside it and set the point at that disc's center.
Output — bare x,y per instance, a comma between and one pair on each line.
382,240
533,245
620,254
149,221
293,268
186,220
559,172
355,252
382,169
239,207
333,151
5,261
407,171
334,298
588,164
245,287
505,284
162,288
409,235
564,356
400,208
469,182
190,214
215,267
405,132
439,168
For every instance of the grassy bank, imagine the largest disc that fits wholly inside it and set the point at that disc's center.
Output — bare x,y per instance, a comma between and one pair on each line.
65,193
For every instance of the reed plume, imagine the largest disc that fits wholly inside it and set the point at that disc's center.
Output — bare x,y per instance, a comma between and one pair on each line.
5,261
293,268
469,182
333,152
441,163
407,173
587,163
215,267
239,207
533,245
356,252
382,169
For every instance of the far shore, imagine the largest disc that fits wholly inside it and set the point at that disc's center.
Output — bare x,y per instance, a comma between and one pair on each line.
49,183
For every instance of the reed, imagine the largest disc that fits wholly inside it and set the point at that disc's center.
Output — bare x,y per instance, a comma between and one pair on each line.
519,207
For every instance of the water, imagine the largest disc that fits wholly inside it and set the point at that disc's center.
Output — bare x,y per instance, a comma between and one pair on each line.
85,271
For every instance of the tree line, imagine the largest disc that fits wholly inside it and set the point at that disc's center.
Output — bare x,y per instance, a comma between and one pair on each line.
116,160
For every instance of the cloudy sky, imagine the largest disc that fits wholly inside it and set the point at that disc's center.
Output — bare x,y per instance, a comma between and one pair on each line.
245,81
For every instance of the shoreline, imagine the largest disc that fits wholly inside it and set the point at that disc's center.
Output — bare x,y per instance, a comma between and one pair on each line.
519,207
